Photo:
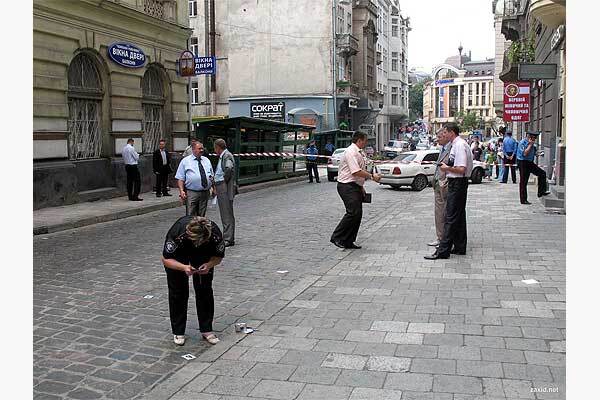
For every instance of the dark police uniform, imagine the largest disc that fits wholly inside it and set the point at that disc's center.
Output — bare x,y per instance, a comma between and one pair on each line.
527,167
180,248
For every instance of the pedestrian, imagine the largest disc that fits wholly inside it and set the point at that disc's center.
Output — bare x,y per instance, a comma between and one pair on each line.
474,142
188,150
458,170
329,147
195,179
193,247
440,187
351,178
526,153
500,159
311,162
490,160
161,165
477,151
134,181
509,148
226,189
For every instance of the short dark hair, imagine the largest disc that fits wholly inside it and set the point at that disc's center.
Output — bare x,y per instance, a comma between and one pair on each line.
358,135
502,130
162,140
130,140
452,127
194,139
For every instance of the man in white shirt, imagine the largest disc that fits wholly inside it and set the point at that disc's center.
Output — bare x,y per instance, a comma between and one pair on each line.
134,181
195,178
351,178
458,170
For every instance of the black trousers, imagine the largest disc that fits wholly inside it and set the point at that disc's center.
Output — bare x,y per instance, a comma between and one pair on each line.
134,181
513,171
162,178
179,292
311,166
526,168
455,226
347,230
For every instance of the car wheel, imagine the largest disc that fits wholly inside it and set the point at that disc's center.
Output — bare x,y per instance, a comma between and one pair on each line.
330,176
477,175
419,183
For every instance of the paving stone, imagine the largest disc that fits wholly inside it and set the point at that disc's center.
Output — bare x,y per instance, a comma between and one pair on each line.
416,350
304,304
502,355
485,341
298,357
375,394
504,331
479,368
420,327
545,358
53,387
313,374
558,347
459,352
433,366
320,392
260,341
231,367
231,385
542,333
113,375
271,371
443,339
345,361
365,336
263,355
409,381
526,371
403,338
388,364
517,388
526,344
294,343
84,394
335,346
369,379
272,389
374,349
457,384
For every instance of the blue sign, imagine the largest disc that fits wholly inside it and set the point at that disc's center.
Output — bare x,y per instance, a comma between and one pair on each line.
205,65
443,81
127,55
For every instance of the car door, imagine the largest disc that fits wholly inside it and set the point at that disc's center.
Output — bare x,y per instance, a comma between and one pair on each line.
429,163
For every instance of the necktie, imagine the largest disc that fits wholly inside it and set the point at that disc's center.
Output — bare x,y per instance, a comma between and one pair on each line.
202,174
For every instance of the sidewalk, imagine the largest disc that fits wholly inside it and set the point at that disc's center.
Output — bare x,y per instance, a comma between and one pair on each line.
56,219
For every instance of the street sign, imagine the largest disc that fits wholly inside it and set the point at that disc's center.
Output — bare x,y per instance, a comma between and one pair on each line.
537,71
126,55
516,101
205,65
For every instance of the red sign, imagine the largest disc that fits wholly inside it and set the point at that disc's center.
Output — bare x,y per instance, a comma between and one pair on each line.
516,101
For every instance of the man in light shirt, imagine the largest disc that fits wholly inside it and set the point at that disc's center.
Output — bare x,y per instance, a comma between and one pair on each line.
188,150
351,178
195,179
134,181
458,170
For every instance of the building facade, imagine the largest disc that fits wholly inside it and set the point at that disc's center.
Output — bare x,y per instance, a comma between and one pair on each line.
104,71
536,30
454,92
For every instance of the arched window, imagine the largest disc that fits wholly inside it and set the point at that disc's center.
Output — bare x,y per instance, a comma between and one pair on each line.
85,108
153,101
446,73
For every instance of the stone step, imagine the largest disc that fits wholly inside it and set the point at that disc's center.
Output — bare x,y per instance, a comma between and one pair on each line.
98,194
558,191
551,201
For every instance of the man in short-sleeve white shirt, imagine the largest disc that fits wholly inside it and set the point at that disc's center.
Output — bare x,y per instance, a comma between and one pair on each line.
458,170
351,178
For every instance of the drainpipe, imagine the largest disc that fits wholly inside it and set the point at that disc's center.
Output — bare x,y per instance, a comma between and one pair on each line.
206,53
213,78
334,66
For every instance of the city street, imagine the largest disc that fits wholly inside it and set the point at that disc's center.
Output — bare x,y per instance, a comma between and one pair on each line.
375,323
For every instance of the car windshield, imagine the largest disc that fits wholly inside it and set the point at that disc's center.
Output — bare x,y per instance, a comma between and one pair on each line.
405,158
393,144
339,151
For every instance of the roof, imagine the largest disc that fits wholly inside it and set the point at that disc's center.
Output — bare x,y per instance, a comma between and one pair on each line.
334,131
479,68
248,122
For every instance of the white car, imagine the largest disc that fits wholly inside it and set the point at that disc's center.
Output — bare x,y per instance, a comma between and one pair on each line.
395,147
333,164
416,169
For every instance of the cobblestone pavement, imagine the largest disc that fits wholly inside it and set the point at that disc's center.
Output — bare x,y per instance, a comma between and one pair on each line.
376,323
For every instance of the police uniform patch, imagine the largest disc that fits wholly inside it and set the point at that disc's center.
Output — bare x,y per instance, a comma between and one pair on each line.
221,247
170,246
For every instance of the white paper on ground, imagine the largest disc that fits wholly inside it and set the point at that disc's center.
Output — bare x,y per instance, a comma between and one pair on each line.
283,272
248,330
529,281
188,357
148,296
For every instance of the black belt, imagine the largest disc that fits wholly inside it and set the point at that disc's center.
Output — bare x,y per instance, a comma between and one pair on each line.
462,177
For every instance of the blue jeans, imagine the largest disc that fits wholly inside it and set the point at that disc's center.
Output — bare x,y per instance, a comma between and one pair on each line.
501,174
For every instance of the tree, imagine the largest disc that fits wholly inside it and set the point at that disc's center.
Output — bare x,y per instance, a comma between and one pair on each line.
469,121
415,101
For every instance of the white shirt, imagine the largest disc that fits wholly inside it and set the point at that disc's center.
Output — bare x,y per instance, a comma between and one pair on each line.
462,156
189,172
352,161
164,156
130,156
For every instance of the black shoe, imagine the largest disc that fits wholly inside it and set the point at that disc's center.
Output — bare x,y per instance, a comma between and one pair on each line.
337,244
137,199
318,181
460,253
435,256
525,202
543,194
229,244
353,246
167,194
158,195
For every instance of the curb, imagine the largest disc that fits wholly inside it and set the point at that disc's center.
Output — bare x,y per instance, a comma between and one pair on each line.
86,221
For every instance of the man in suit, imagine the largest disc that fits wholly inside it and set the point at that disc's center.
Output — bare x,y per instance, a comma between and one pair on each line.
440,187
161,165
226,189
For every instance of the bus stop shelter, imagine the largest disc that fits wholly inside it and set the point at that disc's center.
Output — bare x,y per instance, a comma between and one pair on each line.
340,139
253,135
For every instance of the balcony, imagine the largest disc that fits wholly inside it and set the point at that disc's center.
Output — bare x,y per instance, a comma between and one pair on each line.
160,9
379,58
518,52
347,89
550,12
346,44
511,22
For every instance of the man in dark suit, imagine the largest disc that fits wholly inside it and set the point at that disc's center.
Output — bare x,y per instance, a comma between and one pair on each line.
161,165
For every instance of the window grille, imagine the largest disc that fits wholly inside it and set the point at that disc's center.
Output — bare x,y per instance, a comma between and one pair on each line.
85,105
154,8
153,99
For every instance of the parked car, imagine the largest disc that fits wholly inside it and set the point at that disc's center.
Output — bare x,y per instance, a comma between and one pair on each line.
416,169
333,164
369,150
395,147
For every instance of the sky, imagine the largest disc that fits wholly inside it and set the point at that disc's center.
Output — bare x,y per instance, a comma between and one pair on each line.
439,26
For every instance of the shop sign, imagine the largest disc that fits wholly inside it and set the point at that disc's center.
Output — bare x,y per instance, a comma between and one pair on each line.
126,55
440,82
516,101
205,65
536,71
268,110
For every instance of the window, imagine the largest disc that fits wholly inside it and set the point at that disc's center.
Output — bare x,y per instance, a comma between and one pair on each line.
193,8
431,157
394,61
340,20
195,93
153,100
394,95
85,105
477,93
483,94
194,48
470,94
394,30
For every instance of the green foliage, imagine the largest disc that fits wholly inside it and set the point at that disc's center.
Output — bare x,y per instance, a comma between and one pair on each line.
522,51
468,121
415,101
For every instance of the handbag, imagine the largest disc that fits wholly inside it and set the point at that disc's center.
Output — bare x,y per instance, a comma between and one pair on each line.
367,198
